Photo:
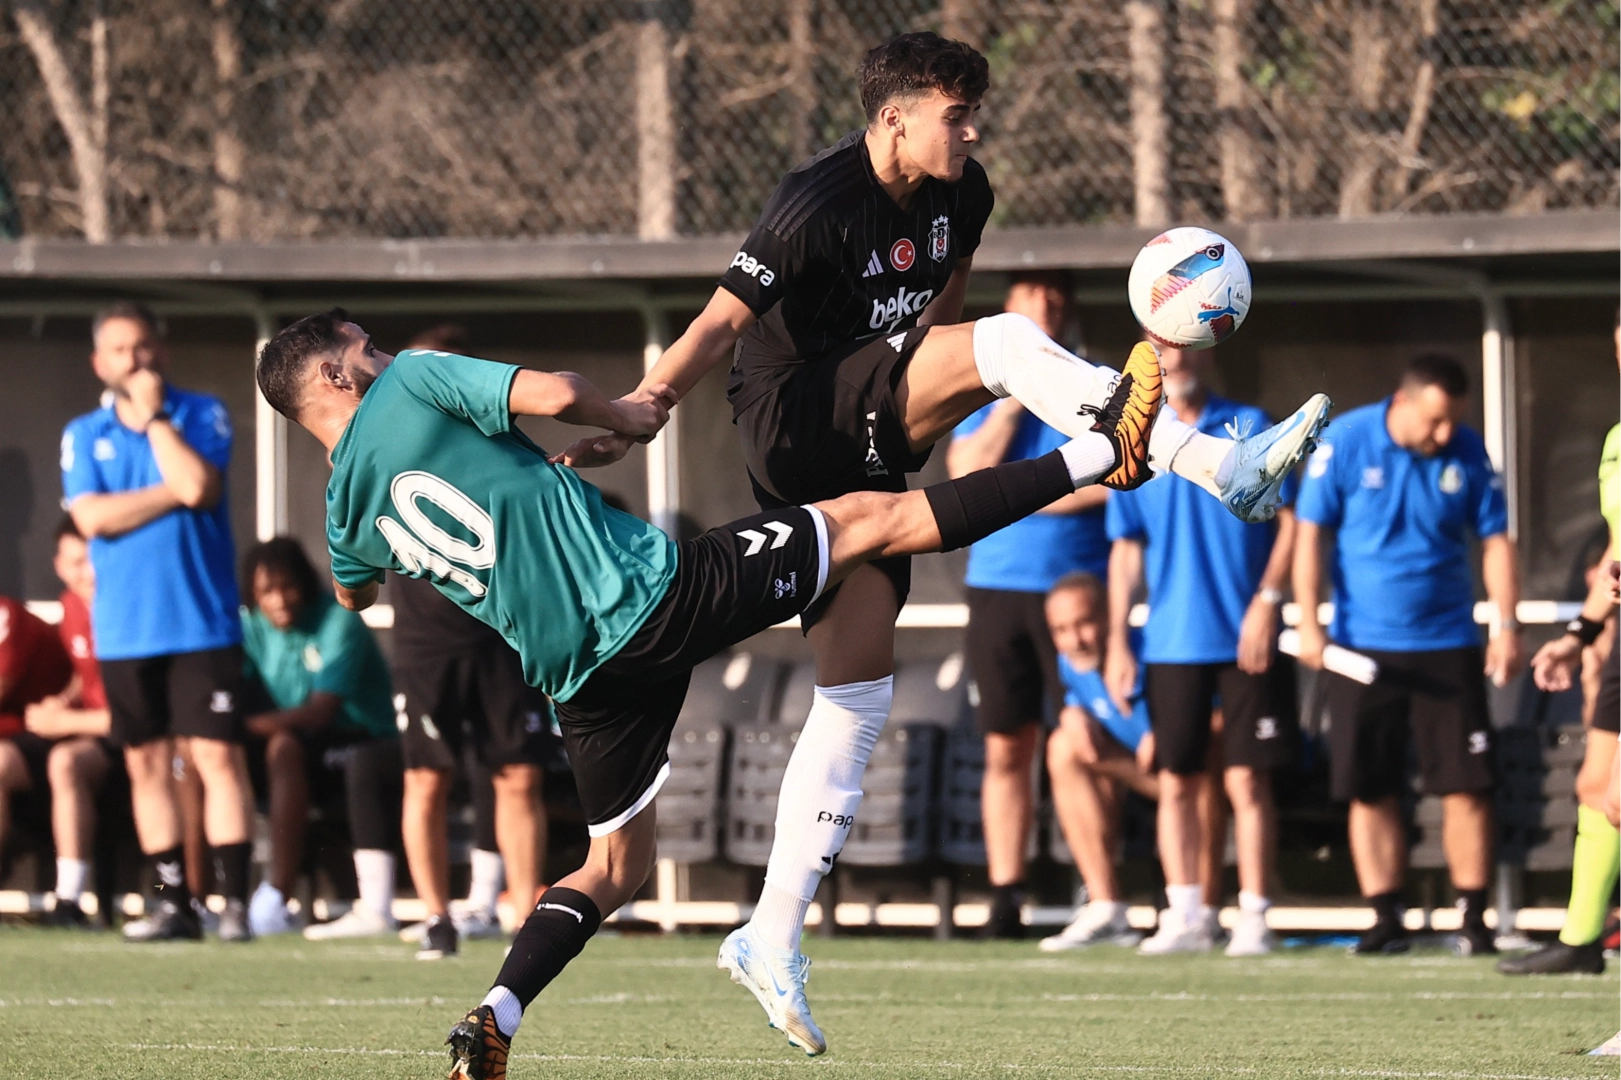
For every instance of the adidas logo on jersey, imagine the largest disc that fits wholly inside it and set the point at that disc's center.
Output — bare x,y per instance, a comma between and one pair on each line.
874,267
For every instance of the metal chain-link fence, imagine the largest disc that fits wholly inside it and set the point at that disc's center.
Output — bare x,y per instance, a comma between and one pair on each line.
301,120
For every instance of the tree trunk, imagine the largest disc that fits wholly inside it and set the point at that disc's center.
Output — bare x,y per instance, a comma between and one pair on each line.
1150,124
1240,155
230,156
655,126
79,120
801,79
1365,71
1418,112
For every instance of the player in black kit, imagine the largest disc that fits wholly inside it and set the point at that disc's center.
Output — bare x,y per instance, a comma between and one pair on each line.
847,370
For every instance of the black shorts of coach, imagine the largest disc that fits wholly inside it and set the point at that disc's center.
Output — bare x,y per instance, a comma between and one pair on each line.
1259,728
450,702
1435,701
193,694
1012,659
833,428
730,584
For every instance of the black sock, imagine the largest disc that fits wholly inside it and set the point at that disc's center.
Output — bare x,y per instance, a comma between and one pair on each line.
171,876
1473,902
1387,907
231,863
989,500
555,932
1004,897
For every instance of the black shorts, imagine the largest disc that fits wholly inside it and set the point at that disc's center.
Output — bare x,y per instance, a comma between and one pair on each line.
196,694
1011,658
1435,700
447,702
1607,706
831,429
730,584
1258,722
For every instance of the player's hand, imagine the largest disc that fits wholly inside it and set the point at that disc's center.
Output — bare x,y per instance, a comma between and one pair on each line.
144,389
1145,754
645,410
1256,637
1505,654
595,451
1120,674
40,716
1312,643
1555,663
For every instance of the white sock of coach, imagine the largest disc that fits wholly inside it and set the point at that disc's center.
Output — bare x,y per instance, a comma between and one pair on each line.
821,791
489,874
71,877
374,873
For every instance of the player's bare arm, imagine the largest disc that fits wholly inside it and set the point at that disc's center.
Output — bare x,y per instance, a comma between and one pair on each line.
1125,576
1259,630
320,709
574,399
1311,554
196,483
1499,571
357,599
1556,662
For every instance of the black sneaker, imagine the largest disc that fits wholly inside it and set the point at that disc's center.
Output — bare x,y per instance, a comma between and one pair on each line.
1475,940
1556,959
1382,939
478,1050
439,940
68,915
168,921
234,922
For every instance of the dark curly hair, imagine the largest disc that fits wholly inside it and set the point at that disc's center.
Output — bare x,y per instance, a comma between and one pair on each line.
285,357
283,558
917,63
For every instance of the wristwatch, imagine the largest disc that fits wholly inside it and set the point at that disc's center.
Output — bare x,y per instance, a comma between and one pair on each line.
164,413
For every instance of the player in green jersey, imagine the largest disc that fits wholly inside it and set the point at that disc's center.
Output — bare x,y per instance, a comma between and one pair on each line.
431,478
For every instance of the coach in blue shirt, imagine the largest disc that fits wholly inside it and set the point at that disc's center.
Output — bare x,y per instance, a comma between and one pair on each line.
1390,501
143,477
1010,652
1213,593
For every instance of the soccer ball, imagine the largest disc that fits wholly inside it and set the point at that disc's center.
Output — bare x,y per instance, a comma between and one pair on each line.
1189,288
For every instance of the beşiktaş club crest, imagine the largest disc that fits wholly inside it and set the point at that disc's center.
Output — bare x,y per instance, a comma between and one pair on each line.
940,238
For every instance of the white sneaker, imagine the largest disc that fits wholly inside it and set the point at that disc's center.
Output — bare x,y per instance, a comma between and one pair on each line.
776,977
1611,1048
268,914
1176,935
474,924
1251,935
1098,923
1262,462
358,922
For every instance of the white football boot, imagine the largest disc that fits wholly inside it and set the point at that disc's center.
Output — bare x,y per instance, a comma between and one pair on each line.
1176,935
268,913
1251,935
776,977
474,924
359,921
1263,462
1097,923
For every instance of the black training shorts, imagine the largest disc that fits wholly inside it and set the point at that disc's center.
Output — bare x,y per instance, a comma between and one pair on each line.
196,694
1607,706
730,584
1436,700
1011,658
446,701
1258,715
834,427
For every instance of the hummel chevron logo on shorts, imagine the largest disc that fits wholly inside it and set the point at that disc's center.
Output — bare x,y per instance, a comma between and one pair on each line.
874,267
757,539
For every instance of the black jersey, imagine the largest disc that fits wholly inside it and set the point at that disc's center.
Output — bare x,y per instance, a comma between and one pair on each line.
833,260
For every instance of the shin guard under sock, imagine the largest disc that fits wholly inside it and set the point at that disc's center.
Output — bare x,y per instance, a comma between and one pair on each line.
555,932
989,500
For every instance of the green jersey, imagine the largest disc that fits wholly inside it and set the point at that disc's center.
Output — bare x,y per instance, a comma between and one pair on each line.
432,479
1609,482
328,649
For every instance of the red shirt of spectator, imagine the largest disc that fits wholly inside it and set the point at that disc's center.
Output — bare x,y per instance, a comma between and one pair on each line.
80,643
33,663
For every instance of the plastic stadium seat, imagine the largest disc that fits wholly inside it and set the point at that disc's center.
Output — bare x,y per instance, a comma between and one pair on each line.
689,809
730,690
759,756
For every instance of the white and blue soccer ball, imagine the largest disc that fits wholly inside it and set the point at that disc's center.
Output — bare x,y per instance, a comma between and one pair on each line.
1189,288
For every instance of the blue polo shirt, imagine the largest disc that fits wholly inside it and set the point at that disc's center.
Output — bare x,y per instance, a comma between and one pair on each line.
170,585
1029,555
1087,690
1203,565
1402,576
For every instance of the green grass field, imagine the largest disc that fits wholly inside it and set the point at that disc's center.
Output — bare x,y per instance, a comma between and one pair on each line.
645,1006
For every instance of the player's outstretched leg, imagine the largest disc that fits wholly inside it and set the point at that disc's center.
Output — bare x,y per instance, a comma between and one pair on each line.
1015,359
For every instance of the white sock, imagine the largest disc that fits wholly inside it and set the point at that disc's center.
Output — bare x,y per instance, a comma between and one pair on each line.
821,791
781,914
1015,359
374,871
1253,904
1185,901
489,873
1114,909
508,1013
71,875
1189,453
1090,457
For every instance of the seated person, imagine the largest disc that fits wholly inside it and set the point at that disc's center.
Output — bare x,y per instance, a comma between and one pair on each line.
331,722
33,666
1097,752
75,724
